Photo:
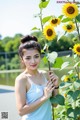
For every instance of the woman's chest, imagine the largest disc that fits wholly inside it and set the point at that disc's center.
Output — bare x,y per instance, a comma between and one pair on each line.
34,93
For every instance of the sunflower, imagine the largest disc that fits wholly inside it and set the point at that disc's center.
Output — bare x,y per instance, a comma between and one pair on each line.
69,27
49,32
65,95
55,21
76,48
66,78
70,10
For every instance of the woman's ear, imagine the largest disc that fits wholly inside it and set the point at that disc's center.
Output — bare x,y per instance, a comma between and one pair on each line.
22,63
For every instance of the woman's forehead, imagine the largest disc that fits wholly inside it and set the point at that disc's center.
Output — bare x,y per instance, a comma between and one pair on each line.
30,52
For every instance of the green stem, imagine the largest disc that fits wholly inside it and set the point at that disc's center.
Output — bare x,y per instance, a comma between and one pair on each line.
45,40
77,29
41,19
78,67
76,70
49,65
46,47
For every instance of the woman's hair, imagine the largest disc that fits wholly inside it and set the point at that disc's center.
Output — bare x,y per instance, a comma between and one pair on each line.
29,42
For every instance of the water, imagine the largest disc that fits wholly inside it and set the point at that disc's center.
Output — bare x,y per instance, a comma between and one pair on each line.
8,78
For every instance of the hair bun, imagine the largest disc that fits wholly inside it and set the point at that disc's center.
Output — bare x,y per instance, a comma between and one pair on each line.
28,38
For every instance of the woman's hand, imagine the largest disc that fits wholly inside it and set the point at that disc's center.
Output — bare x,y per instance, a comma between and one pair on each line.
54,79
48,90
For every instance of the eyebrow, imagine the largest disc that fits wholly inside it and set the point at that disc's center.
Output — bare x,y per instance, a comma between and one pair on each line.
34,55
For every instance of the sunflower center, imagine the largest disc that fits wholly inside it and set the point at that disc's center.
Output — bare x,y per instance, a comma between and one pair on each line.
70,10
54,21
49,32
69,27
78,48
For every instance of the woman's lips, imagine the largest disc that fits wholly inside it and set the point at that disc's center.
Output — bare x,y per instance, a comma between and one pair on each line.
34,65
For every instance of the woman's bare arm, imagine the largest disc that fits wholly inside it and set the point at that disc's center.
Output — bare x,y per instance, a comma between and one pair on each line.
20,93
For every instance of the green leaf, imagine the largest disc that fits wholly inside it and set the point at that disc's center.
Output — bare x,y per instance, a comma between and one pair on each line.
64,65
70,113
58,62
45,47
70,72
76,64
52,56
66,20
61,16
45,19
76,111
65,84
43,4
73,113
35,28
62,84
78,18
77,83
58,99
74,94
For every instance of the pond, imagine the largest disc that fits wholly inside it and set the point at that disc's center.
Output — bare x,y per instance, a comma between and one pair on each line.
8,78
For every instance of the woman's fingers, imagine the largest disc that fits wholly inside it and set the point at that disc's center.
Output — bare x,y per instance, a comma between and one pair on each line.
53,77
49,85
48,89
52,89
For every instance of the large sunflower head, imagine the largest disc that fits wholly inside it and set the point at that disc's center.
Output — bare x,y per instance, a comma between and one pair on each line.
70,10
55,21
69,27
49,32
76,49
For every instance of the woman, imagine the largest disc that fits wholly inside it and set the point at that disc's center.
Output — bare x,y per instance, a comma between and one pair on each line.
34,87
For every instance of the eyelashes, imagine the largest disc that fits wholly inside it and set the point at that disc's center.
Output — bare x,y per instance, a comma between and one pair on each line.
28,58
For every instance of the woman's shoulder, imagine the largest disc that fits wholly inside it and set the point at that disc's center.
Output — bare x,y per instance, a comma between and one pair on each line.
21,78
45,73
42,71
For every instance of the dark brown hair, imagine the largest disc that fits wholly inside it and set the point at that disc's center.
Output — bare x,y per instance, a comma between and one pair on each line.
29,42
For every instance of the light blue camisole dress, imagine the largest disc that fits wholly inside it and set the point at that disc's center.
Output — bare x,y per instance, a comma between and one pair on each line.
44,112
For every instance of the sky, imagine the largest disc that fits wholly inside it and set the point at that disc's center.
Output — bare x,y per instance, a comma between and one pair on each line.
17,16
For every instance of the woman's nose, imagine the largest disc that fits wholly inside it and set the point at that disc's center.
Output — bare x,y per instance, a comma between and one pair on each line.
33,60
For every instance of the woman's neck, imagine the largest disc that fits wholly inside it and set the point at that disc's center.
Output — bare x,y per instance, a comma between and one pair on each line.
32,73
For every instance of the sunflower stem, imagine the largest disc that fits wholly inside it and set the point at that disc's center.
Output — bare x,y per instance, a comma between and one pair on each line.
41,19
77,29
78,68
45,42
49,66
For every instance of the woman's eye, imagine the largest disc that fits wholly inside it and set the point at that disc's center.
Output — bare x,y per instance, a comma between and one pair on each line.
36,56
27,58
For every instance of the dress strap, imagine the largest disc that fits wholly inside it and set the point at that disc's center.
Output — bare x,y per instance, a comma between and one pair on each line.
29,80
45,79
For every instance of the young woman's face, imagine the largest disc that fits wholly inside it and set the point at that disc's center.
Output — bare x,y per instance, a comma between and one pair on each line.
31,59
